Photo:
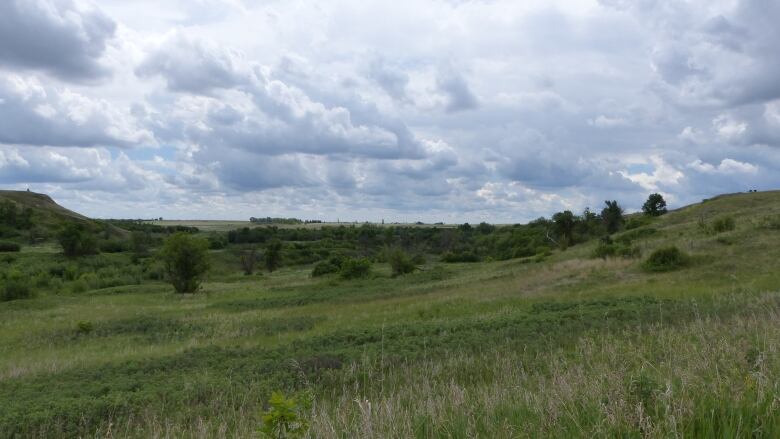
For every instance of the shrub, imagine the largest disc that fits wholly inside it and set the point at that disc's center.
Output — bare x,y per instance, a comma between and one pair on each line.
15,287
323,268
400,262
285,416
186,260
9,247
666,259
723,224
353,268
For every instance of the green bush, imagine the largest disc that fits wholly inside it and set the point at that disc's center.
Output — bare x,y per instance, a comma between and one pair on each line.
666,259
285,416
15,287
400,262
353,268
9,247
324,267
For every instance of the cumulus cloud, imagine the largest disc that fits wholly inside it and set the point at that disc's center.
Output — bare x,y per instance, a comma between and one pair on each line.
355,110
34,114
66,38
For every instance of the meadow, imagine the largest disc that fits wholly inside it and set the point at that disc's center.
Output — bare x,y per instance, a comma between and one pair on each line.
556,343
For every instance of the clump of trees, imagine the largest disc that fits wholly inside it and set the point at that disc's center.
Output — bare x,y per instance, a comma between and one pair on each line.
13,216
77,240
186,260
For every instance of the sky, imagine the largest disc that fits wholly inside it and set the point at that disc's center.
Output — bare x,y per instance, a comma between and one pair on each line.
411,110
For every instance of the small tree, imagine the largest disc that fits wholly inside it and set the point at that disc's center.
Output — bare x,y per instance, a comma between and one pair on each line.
655,205
273,255
564,227
612,215
248,259
186,259
76,240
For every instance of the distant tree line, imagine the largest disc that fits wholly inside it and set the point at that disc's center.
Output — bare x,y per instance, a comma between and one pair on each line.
269,220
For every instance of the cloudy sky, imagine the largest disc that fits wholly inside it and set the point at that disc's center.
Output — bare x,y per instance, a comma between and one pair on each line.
449,110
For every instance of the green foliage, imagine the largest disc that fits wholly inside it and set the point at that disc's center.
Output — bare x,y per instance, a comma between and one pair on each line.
637,221
273,255
666,259
399,261
9,247
325,267
113,246
15,286
354,268
655,205
564,227
76,240
612,216
286,417
607,248
186,260
460,256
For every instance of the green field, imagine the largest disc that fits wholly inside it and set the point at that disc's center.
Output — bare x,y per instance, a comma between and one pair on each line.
566,345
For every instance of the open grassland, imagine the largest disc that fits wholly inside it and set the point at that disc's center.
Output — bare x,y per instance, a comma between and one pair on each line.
569,345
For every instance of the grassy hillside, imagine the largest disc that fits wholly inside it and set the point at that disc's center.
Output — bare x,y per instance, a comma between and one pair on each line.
567,345
46,218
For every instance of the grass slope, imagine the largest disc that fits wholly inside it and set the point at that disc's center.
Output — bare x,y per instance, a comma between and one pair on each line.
571,346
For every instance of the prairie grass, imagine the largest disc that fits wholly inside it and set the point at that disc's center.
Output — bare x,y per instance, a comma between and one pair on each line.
567,346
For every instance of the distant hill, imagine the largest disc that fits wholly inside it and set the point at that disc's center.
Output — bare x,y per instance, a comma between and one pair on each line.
47,218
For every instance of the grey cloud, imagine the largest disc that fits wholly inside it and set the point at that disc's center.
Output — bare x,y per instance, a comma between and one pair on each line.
66,38
392,80
193,65
458,94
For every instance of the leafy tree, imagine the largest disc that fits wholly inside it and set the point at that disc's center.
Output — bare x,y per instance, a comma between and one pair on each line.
139,244
612,216
564,226
273,255
76,240
655,205
186,260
